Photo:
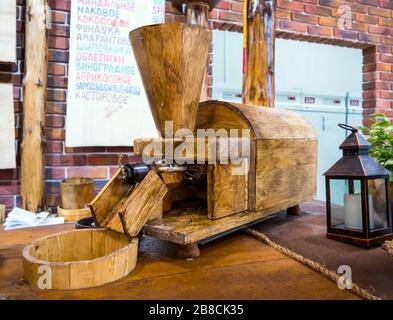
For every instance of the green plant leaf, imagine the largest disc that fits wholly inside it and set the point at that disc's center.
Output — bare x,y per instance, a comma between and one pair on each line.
389,162
382,124
380,136
379,115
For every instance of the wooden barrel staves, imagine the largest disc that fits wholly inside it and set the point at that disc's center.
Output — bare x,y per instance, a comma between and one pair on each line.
73,214
75,193
79,259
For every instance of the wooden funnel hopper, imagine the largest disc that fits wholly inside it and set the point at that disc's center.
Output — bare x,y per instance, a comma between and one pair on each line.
172,59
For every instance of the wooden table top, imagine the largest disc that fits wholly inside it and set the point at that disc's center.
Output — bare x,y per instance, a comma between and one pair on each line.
234,267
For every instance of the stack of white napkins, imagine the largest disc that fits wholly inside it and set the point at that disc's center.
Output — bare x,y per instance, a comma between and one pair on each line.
19,218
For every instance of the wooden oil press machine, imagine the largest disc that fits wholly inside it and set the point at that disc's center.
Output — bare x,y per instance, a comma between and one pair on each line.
187,191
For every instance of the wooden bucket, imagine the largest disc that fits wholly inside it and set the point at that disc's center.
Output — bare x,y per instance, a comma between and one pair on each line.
76,192
79,259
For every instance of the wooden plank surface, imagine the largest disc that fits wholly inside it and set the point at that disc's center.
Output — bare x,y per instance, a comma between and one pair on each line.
185,226
7,127
227,191
235,267
285,172
135,204
109,200
8,31
140,205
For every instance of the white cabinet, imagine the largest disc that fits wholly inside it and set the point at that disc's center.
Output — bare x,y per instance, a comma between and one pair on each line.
324,118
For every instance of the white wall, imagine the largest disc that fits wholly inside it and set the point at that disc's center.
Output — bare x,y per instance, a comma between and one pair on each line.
318,68
227,59
311,67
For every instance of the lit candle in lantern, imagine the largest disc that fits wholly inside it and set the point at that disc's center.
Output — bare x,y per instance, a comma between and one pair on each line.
353,211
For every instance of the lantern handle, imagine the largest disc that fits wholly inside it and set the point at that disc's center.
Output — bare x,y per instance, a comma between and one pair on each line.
347,127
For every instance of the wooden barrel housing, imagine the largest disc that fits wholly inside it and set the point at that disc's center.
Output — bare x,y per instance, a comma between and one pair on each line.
283,155
79,259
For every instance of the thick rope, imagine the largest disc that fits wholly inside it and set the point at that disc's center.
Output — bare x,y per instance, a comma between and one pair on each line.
311,264
388,245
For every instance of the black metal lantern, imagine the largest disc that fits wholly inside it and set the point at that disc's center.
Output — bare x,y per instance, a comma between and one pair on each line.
358,195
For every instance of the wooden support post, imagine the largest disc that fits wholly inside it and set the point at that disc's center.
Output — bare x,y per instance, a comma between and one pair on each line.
294,211
198,13
34,100
259,35
188,251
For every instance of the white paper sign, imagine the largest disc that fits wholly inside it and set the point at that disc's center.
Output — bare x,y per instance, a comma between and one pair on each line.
8,31
106,102
7,127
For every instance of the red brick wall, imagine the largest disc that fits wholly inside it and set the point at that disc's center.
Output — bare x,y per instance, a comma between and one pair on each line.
306,20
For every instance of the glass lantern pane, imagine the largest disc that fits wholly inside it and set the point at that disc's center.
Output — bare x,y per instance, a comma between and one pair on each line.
377,204
346,204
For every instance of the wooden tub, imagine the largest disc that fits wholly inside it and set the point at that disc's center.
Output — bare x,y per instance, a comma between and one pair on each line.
79,259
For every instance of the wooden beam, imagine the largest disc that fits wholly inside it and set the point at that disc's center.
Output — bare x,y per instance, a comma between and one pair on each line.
259,34
34,100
